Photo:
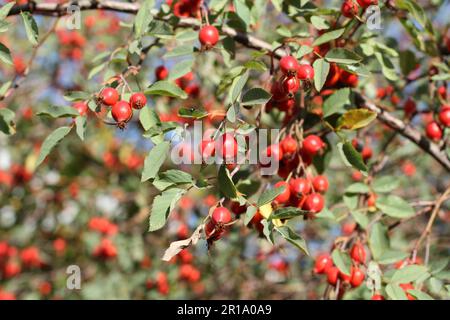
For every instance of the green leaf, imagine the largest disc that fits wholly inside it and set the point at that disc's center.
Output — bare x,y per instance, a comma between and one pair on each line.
58,112
249,214
242,11
293,238
341,55
237,86
268,230
148,118
192,113
80,122
351,156
166,88
394,206
162,205
7,125
336,102
360,219
438,265
342,260
76,96
154,160
303,51
50,142
409,273
321,69
319,23
378,240
4,10
5,54
255,96
357,187
392,256
385,184
31,28
420,295
175,177
355,119
181,68
97,69
286,213
269,195
225,183
395,292
4,88
180,51
143,18
387,67
328,36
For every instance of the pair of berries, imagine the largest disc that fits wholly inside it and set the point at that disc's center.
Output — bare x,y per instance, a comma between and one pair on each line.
289,66
121,110
226,147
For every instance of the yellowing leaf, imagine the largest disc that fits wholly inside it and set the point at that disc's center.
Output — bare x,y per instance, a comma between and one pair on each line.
266,211
355,119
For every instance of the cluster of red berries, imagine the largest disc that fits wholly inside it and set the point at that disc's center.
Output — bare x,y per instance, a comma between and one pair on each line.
434,129
284,89
72,44
161,283
338,77
324,265
106,248
16,175
103,225
121,110
225,147
12,261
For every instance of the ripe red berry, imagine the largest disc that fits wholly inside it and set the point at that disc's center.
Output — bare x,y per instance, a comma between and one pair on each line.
299,186
320,184
121,112
289,145
312,144
358,253
345,278
349,8
305,72
366,153
221,215
409,107
81,107
138,100
323,263
433,131
314,203
109,96
208,36
161,73
274,152
444,116
228,146
290,84
371,200
213,233
207,148
406,287
367,3
285,195
377,297
442,91
357,277
288,65
332,275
